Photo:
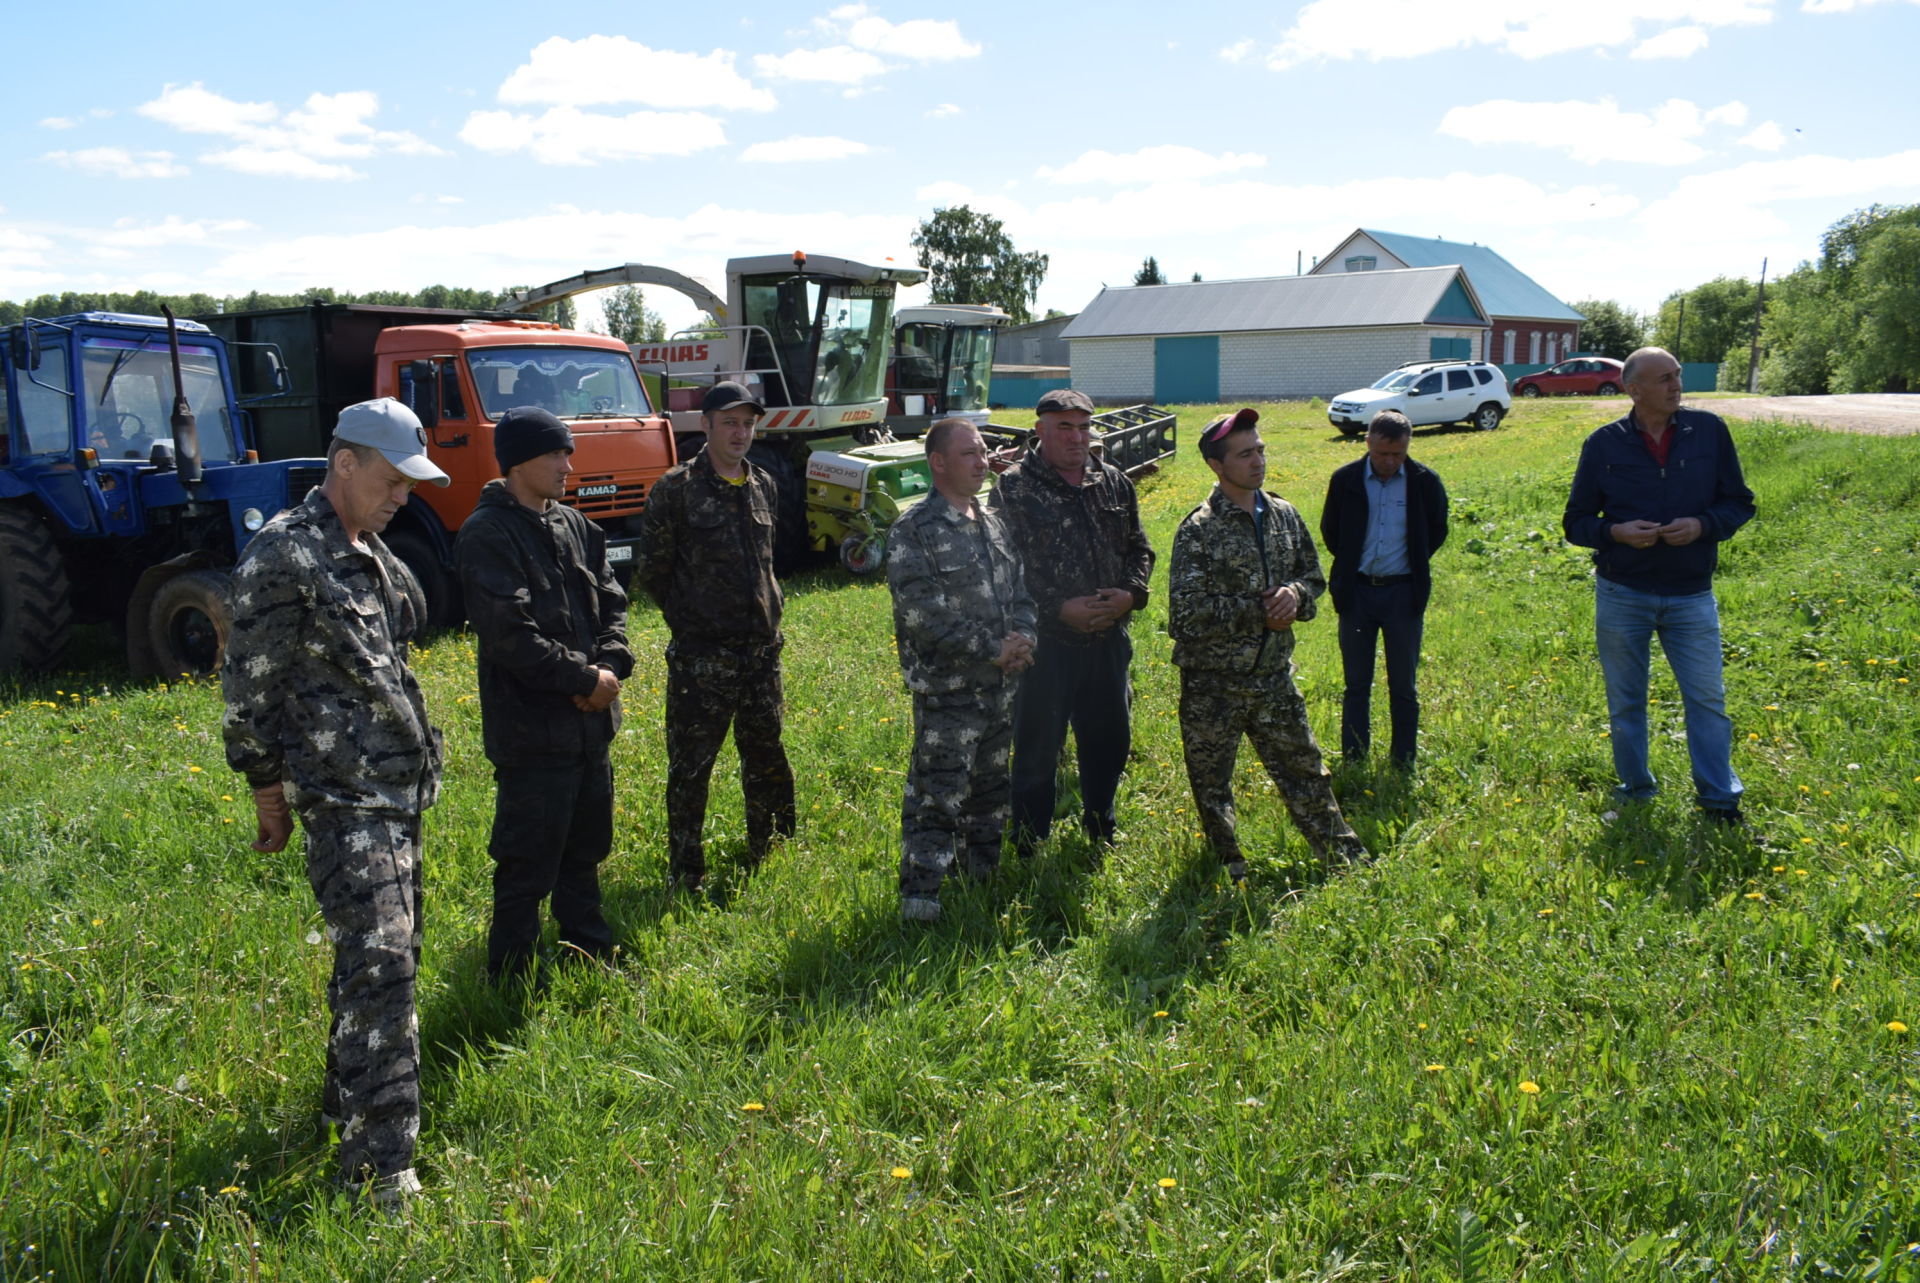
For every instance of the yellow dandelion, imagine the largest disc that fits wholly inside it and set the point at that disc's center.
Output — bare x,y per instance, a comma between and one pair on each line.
194,770
1530,1087
754,1107
1546,913
1159,1015
99,922
1423,1024
1896,1027
1166,1182
901,1174
231,1189
1756,895
1753,735
1773,708
1434,1069
1835,986
226,797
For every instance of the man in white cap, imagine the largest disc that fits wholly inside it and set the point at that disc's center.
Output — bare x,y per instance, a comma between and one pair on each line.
326,721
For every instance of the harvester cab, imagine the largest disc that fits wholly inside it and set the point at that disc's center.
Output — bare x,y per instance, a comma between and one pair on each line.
942,365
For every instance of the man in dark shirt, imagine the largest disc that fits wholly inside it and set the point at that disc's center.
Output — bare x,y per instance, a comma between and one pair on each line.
708,561
551,620
1384,518
1075,521
1654,495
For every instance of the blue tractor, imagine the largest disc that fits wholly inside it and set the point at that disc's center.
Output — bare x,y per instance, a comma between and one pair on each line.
127,489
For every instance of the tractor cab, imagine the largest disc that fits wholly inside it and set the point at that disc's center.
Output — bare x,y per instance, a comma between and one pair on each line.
942,365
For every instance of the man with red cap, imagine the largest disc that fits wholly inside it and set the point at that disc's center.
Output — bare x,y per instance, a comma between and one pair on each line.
1244,572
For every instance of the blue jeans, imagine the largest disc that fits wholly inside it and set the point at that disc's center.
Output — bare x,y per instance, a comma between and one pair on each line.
1624,623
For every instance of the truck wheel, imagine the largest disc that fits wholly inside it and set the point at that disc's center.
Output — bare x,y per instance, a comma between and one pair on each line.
864,554
189,623
36,608
437,584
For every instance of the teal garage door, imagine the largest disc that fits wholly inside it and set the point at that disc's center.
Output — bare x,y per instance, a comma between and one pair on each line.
1186,369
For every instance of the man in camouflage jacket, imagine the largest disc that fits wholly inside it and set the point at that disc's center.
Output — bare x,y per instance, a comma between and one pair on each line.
552,626
1076,523
708,561
1244,572
321,705
964,627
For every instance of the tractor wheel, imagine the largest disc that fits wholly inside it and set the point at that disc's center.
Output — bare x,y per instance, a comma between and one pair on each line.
36,608
437,583
790,545
189,623
864,554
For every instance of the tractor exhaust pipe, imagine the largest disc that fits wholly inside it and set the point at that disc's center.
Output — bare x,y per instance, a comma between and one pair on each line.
186,433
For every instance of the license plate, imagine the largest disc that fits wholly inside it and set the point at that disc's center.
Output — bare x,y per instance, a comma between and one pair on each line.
620,552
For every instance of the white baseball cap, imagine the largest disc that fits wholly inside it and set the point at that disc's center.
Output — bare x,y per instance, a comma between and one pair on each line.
395,431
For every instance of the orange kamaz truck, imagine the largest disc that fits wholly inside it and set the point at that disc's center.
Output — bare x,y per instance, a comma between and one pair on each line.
297,368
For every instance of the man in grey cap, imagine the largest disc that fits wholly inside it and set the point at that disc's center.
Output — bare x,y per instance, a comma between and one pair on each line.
551,620
1075,522
708,560
326,721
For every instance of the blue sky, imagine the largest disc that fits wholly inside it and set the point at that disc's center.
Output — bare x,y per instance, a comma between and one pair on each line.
1615,151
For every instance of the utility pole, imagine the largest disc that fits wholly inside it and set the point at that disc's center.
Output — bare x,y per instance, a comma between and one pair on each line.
1753,352
1680,330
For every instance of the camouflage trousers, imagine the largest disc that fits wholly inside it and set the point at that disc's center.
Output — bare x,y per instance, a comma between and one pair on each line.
364,867
707,693
1214,713
958,793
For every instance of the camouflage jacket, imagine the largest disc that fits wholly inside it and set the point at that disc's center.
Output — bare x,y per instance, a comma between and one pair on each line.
1219,570
958,591
317,685
1074,540
548,614
707,558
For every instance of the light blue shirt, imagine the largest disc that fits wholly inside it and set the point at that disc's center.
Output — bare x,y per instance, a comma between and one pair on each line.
1385,552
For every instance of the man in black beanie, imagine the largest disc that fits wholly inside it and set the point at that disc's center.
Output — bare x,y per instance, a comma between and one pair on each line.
552,625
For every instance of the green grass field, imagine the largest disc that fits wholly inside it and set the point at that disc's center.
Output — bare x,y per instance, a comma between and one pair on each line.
1521,1043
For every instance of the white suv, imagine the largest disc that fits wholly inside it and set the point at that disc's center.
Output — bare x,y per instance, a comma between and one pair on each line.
1428,392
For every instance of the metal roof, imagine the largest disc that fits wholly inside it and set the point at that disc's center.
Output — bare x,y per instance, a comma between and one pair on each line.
1340,300
1504,288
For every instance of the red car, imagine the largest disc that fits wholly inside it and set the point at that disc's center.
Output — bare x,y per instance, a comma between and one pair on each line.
1591,375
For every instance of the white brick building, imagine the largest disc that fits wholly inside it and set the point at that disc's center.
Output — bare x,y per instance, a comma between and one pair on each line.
1279,337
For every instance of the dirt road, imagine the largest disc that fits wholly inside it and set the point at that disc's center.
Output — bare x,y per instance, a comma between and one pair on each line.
1879,414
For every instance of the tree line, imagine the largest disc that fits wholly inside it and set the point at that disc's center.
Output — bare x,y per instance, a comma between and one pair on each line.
150,303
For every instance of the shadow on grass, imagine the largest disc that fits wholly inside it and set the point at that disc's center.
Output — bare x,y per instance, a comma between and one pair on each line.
1690,860
1033,905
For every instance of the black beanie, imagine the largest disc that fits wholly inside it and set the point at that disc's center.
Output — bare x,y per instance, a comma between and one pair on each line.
527,432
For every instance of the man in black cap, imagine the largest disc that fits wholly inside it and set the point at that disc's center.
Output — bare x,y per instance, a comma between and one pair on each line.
1075,522
551,620
708,560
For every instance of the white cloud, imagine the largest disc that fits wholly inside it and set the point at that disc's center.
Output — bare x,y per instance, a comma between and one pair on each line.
1150,164
118,162
613,69
1591,132
801,148
58,122
836,64
943,110
569,136
171,230
22,249
1839,6
1379,30
1767,137
1674,42
298,144
921,39
1238,51
944,194
1728,113
1703,206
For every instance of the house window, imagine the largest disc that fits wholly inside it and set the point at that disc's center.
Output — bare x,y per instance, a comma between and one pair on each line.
1508,358
1533,347
1362,263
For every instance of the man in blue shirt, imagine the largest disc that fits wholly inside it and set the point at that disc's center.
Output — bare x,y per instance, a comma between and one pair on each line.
1654,496
1384,518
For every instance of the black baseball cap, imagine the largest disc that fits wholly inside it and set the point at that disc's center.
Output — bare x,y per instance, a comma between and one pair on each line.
1059,399
727,394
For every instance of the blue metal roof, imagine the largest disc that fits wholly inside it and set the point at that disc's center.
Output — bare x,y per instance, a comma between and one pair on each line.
1504,289
1341,300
